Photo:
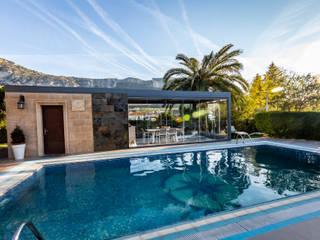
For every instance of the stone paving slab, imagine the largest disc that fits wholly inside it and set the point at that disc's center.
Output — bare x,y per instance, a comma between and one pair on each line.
242,229
307,230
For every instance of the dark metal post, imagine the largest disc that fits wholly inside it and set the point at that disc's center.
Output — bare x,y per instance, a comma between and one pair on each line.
229,116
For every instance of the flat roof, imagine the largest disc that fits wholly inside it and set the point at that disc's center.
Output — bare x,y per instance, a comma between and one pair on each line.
134,95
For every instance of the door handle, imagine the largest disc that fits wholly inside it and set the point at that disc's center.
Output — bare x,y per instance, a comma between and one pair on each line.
45,131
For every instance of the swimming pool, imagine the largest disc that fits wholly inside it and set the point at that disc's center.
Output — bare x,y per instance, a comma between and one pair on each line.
109,199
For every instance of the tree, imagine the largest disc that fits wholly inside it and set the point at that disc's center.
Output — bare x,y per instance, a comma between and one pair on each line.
274,78
300,93
261,85
253,102
257,94
217,72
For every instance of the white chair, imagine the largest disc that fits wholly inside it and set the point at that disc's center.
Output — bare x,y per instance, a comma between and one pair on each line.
180,133
172,134
243,134
162,133
145,135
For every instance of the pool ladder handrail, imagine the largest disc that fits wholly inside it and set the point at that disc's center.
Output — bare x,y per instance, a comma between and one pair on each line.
32,228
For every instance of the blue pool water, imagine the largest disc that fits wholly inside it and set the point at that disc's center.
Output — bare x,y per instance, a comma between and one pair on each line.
109,199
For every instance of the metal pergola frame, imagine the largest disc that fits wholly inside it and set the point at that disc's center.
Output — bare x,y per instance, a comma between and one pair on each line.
136,95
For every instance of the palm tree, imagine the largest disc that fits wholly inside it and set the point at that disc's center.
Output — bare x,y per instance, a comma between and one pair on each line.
217,72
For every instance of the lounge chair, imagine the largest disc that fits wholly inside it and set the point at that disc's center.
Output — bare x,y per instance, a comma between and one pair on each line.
243,134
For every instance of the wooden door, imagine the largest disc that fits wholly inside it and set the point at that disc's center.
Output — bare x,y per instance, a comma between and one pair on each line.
53,129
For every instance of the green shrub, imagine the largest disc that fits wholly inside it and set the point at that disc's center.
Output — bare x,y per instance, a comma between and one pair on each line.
17,136
298,125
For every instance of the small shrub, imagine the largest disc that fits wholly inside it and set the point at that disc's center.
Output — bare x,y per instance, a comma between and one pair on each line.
298,125
17,136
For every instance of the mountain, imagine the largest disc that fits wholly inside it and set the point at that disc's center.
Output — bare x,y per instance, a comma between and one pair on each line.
13,74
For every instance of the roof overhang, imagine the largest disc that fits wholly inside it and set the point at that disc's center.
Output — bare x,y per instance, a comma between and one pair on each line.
134,95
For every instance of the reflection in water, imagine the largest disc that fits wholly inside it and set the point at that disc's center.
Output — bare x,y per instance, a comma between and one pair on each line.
223,179
143,166
109,199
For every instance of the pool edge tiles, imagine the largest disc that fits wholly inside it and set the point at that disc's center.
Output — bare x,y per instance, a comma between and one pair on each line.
225,218
17,179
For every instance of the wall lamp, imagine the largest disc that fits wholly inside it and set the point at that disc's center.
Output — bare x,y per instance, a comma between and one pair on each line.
21,102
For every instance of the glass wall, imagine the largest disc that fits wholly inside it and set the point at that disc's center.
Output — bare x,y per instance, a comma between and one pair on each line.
168,122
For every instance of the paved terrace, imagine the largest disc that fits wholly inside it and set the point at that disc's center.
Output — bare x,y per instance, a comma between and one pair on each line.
294,217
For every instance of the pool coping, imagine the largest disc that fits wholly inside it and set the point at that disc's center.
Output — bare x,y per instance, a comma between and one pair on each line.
21,173
217,220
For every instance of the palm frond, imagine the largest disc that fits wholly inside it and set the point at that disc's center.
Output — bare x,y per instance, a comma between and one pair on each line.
219,71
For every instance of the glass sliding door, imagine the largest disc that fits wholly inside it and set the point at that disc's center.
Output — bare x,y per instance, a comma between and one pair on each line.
168,122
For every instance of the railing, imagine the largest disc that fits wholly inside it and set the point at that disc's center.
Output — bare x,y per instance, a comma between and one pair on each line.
32,229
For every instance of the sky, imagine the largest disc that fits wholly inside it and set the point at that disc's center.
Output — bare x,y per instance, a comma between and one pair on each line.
140,38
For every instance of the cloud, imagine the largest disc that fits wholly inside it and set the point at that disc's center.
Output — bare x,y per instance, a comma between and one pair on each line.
117,28
281,27
156,65
309,29
192,34
93,28
205,43
163,20
37,14
291,41
168,23
52,20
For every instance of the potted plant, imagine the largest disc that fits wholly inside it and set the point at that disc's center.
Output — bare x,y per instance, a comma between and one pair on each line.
18,143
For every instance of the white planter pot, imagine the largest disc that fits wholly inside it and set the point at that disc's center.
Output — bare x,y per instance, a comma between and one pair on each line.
18,151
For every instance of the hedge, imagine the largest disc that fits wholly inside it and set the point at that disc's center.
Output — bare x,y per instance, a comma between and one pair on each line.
247,125
297,125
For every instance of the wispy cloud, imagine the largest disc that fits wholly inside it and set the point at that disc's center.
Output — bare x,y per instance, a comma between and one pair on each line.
37,14
290,41
309,29
205,42
118,29
171,25
281,27
52,20
164,22
189,28
93,28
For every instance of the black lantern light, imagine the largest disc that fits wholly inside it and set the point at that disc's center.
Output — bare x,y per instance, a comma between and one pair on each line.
21,102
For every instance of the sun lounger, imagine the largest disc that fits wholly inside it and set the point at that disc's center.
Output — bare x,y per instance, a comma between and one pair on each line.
243,135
